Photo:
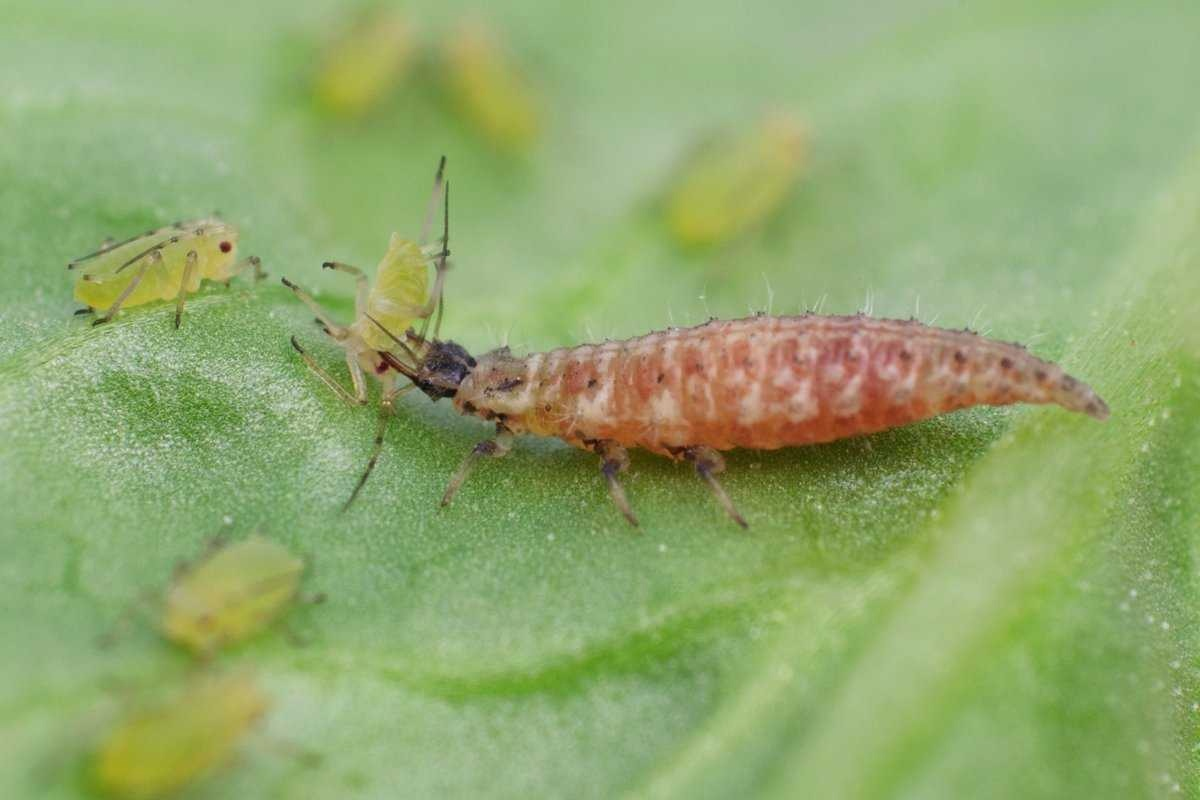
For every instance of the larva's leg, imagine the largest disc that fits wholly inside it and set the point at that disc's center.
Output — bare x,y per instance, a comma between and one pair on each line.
496,447
152,258
709,464
357,399
616,461
386,408
360,297
245,264
189,270
335,330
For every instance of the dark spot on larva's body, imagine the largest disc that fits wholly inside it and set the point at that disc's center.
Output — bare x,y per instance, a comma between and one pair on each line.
960,356
1069,383
748,363
1039,374
469,407
661,377
905,355
509,384
1006,363
546,407
591,383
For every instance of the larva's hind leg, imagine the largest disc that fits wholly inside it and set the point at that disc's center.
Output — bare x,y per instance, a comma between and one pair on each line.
616,461
709,463
496,447
189,270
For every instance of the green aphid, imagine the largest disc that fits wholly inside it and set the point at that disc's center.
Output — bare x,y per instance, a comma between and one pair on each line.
735,182
362,65
170,743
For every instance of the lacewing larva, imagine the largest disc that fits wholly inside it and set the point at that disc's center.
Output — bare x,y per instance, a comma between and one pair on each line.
230,594
362,65
397,299
735,181
177,739
488,89
763,382
163,264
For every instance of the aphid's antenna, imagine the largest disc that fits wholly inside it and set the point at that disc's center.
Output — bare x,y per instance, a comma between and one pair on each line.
431,209
105,249
440,281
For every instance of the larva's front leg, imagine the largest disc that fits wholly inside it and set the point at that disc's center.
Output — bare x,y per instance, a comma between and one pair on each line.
616,461
496,447
709,463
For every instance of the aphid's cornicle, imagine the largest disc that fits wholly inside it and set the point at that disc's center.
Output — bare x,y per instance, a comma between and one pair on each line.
763,382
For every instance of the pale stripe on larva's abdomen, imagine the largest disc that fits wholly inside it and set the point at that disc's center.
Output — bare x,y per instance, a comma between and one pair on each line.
767,382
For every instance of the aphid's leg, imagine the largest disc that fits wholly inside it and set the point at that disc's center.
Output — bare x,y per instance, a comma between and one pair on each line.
616,461
243,265
189,270
154,258
386,407
709,464
144,606
357,399
360,297
496,447
79,312
335,330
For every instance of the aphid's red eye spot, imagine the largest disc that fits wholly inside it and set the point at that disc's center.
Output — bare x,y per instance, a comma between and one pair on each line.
226,246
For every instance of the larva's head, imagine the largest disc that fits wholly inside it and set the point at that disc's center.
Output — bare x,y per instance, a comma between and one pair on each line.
443,367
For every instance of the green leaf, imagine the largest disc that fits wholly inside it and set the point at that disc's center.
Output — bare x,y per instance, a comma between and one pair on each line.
999,603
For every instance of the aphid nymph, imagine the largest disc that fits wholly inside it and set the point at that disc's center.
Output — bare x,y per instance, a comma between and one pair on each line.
163,264
763,382
487,88
230,594
167,744
364,63
397,299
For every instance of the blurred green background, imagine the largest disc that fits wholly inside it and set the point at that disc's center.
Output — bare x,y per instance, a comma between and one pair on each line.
993,604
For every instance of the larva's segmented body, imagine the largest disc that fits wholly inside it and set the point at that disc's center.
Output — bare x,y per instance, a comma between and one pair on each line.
764,382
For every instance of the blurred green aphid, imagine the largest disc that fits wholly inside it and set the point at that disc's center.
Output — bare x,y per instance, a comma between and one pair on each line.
230,594
164,745
363,64
735,181
163,264
488,90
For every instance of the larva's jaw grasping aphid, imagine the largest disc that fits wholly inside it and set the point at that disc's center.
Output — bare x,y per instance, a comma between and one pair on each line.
168,744
397,299
735,182
163,264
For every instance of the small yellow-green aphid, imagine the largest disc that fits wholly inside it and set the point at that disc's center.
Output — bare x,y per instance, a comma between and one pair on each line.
397,300
735,182
163,264
169,743
230,594
364,63
488,90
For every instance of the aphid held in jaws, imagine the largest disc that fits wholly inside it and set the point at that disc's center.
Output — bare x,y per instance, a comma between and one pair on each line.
488,90
230,594
171,743
397,299
734,182
163,264
364,63
763,382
